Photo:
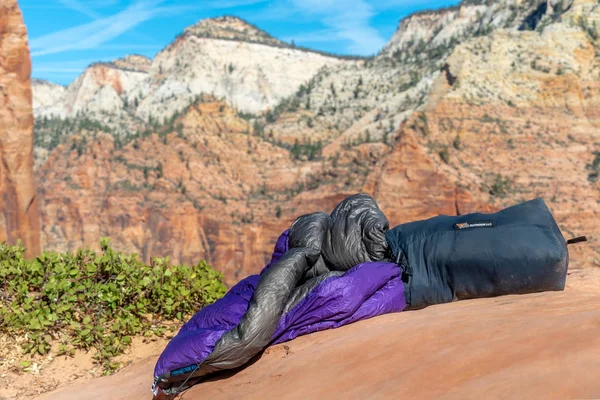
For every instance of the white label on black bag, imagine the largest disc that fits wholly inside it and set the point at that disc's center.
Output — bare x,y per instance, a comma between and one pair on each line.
474,224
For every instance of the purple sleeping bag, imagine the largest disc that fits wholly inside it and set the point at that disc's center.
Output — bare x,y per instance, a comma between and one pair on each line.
297,293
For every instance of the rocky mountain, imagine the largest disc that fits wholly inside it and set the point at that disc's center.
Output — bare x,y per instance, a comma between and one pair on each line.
375,96
99,94
19,218
229,59
47,98
225,57
474,107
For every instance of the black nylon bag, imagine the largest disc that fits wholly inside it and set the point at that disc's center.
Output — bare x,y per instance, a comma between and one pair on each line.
515,251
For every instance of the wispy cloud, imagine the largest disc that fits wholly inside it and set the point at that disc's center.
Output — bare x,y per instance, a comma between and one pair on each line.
421,4
102,3
79,7
58,70
222,5
102,30
85,9
324,35
346,20
58,4
132,47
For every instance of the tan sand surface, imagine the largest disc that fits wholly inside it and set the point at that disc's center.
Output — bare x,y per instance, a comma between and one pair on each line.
544,345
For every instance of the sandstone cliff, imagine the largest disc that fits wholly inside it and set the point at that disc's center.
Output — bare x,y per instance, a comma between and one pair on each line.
19,217
210,189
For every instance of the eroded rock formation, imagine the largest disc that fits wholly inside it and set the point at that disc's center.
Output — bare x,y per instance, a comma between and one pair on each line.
19,218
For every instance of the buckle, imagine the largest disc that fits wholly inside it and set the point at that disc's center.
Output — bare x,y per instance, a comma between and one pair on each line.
407,273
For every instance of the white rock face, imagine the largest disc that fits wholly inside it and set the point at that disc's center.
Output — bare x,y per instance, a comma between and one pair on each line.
470,18
233,60
251,77
89,93
106,99
514,66
225,57
47,97
89,89
369,100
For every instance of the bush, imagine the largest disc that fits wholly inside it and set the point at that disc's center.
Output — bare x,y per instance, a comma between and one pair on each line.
594,167
312,151
444,154
500,187
95,300
457,144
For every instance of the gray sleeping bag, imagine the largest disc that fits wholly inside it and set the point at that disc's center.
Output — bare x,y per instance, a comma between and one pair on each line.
320,247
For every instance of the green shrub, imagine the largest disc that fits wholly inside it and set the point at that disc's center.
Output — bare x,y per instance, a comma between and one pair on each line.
98,301
457,144
444,154
500,187
594,167
312,151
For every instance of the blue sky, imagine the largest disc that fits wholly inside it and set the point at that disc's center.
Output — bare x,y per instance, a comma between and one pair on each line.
66,36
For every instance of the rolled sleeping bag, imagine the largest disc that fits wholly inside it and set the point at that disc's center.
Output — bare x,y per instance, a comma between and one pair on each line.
356,234
309,231
514,251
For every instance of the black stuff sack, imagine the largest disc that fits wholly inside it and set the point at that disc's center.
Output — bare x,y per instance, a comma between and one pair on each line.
515,251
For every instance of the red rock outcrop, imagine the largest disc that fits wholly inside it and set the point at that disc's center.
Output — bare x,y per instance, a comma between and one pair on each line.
211,190
408,186
217,191
19,218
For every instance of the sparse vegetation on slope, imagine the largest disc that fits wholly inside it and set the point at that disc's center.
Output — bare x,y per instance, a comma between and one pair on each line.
99,301
50,132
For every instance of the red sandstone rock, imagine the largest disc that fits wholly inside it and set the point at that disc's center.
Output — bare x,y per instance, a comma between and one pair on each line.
19,217
543,345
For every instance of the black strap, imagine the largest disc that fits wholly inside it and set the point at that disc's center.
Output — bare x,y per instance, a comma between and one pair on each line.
407,271
406,275
579,239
